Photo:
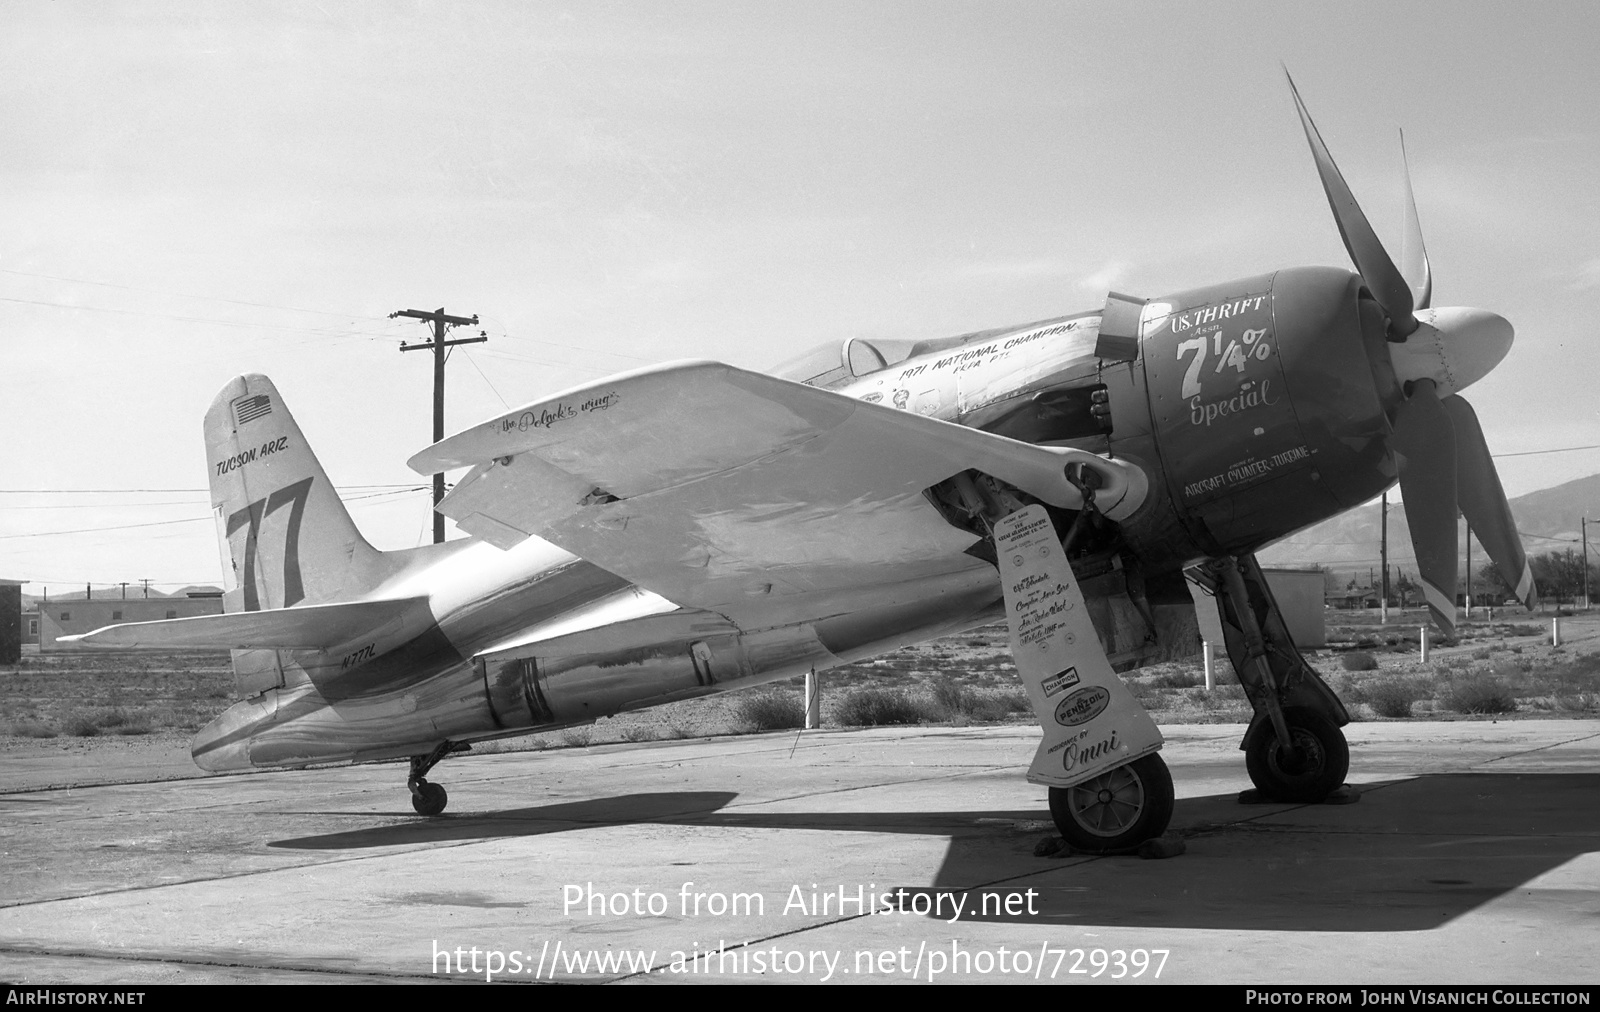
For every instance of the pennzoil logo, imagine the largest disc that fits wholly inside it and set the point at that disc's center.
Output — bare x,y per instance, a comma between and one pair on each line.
1082,706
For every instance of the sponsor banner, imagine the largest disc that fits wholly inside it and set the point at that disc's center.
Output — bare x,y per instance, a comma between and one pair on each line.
1091,721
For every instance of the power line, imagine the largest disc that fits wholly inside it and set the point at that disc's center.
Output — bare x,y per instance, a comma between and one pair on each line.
574,347
322,331
107,505
188,520
474,363
317,331
185,295
91,530
514,357
172,491
1560,449
1293,542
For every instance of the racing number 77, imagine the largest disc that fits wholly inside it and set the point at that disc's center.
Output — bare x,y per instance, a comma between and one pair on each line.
254,514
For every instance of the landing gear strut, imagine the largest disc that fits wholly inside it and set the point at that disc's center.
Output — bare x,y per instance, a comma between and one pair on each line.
1109,790
1294,750
428,798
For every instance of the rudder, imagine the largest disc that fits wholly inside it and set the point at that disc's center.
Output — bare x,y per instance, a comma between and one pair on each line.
286,537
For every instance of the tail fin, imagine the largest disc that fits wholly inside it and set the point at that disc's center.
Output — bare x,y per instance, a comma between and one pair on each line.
286,538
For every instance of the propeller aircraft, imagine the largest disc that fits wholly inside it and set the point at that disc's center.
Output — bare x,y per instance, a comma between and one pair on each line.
693,527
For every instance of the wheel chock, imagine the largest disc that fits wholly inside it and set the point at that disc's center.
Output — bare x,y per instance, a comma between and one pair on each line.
1162,847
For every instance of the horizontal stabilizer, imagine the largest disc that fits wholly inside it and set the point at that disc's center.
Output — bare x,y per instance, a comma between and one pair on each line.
311,627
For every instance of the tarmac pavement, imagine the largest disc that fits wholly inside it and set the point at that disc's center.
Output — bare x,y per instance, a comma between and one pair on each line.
1472,856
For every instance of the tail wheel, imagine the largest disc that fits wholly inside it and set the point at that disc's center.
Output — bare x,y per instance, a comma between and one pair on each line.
1117,810
1314,769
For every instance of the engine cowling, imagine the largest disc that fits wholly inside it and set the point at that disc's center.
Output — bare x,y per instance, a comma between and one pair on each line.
1267,411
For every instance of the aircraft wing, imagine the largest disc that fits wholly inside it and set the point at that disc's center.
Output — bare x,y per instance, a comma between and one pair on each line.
309,627
733,491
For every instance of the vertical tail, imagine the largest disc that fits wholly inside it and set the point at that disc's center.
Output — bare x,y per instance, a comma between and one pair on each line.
286,538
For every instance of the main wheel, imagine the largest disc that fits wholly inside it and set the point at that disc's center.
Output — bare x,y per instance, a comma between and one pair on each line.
1318,767
430,799
1115,811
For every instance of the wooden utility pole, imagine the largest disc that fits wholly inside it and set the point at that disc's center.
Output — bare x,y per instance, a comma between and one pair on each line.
1383,560
1583,523
440,321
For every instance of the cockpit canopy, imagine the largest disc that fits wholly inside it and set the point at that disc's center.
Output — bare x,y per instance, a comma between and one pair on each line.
838,362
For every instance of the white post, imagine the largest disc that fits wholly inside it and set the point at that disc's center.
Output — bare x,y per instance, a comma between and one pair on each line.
1555,631
813,701
1424,644
1210,654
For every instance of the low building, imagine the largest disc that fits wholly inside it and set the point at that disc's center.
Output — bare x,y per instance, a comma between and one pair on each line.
1354,598
10,621
1299,594
71,617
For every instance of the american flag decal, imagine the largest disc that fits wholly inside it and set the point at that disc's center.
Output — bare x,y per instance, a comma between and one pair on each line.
248,409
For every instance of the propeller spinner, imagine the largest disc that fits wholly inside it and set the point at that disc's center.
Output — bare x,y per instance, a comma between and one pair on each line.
1444,462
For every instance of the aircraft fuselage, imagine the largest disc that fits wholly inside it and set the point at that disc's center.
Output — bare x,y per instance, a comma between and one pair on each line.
1249,428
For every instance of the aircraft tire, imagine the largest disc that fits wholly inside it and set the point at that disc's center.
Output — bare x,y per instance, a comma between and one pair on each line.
430,799
1117,810
1325,759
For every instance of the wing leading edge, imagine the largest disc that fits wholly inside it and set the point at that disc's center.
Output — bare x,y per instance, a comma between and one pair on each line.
730,490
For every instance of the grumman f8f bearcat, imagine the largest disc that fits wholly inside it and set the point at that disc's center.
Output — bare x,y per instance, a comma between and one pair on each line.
693,527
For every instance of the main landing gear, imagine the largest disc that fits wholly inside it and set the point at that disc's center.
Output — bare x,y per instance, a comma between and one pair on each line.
1294,750
429,798
1312,766
1109,790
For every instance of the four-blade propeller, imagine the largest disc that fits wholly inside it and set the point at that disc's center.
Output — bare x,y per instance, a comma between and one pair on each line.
1444,463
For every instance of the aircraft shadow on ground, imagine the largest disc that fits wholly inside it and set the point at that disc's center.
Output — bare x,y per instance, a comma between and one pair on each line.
1412,855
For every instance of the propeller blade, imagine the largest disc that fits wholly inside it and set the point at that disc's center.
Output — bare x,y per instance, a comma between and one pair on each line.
1372,261
1413,254
1426,441
1483,501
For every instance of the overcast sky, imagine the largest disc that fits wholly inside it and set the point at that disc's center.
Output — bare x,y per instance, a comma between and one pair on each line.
193,191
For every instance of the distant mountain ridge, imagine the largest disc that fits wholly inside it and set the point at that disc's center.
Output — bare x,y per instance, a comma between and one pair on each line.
1549,521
